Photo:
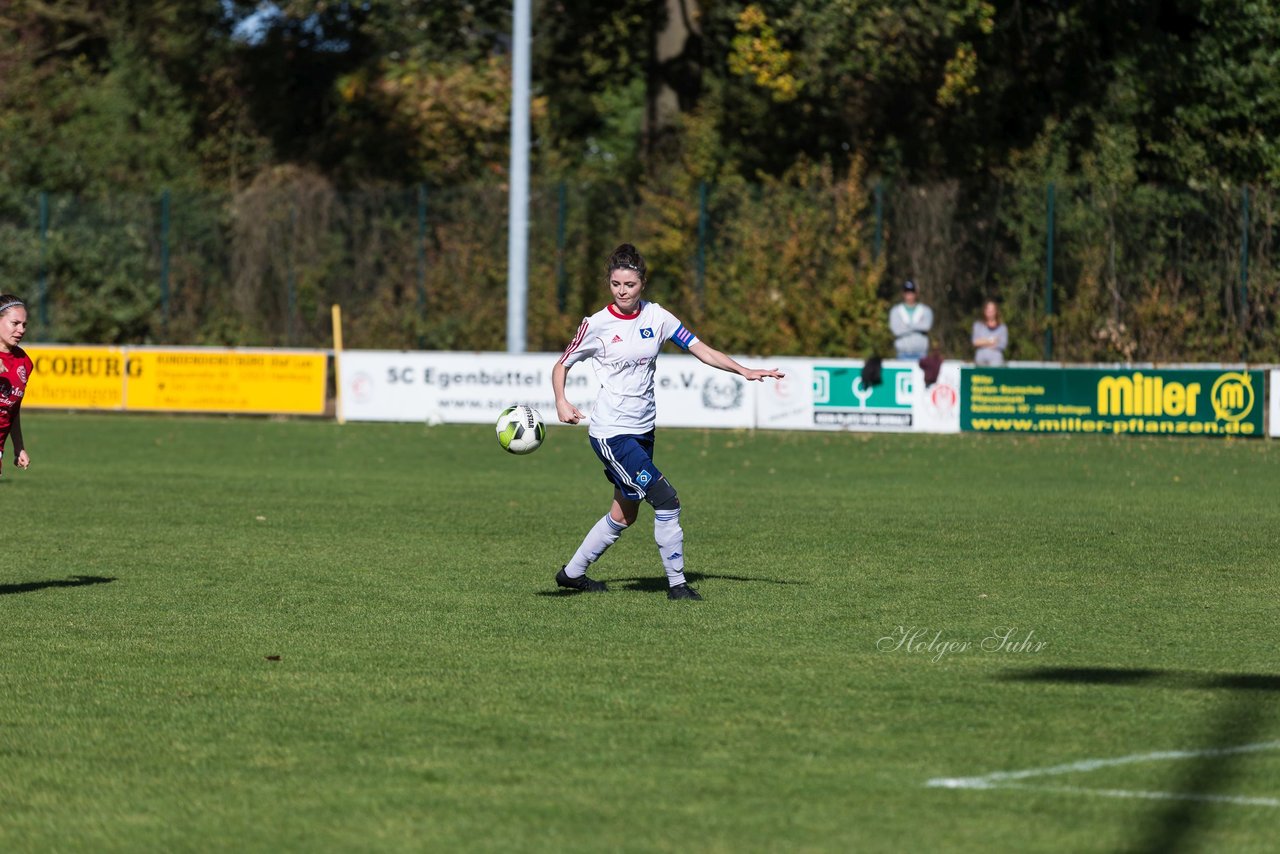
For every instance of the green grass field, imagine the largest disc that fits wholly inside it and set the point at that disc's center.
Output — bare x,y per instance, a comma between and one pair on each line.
262,635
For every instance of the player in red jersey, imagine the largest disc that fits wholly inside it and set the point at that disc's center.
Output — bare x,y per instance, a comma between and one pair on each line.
15,370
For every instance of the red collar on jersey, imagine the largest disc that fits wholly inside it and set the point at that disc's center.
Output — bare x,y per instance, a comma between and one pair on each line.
614,311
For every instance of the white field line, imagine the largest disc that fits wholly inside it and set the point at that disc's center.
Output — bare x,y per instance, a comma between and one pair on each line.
1009,779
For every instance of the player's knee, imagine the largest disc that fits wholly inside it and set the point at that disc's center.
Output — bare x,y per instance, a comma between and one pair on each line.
663,496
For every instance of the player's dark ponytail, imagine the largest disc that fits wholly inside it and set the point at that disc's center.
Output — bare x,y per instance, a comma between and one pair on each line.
627,257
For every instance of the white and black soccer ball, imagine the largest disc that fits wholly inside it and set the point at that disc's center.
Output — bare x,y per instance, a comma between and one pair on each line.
520,429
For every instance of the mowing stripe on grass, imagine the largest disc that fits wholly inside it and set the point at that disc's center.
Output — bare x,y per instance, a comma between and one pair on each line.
1153,796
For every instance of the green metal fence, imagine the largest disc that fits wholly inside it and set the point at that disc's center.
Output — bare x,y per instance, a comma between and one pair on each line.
1084,273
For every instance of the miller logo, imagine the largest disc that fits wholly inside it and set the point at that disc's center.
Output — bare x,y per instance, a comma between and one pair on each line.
1142,395
1232,396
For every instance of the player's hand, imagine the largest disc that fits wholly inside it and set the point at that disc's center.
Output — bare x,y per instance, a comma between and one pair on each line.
23,460
568,413
753,375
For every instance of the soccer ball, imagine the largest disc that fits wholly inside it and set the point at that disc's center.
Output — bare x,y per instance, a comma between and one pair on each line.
520,429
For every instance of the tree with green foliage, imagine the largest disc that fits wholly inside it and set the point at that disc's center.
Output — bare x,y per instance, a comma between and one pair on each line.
665,119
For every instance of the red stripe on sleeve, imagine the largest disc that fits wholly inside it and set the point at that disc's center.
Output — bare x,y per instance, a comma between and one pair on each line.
577,339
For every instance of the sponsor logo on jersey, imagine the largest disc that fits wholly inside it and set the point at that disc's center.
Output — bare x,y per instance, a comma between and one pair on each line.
22,372
621,364
616,339
643,477
646,332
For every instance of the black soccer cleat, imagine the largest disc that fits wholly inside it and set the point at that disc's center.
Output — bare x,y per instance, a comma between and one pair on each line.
581,583
683,591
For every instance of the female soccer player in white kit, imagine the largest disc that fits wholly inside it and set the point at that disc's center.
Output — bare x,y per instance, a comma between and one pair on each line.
622,340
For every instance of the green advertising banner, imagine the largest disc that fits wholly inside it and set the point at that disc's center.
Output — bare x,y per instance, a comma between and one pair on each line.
1144,401
840,399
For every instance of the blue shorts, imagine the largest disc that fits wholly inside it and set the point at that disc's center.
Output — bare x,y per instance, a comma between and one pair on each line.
628,463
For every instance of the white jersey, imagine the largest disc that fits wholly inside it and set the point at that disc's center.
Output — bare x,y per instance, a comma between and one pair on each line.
623,349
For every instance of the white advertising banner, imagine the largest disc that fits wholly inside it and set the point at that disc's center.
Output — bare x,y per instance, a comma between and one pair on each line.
1274,414
815,394
936,408
786,404
466,388
472,388
691,394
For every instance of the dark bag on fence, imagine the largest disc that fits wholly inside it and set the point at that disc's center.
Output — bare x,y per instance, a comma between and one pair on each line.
932,366
871,372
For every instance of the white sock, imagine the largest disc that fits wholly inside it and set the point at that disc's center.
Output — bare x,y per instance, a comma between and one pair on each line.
602,535
670,538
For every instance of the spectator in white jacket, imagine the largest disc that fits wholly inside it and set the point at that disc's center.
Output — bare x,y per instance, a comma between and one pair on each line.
910,322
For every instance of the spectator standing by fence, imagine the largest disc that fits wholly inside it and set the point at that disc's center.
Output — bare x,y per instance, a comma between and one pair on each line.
990,336
910,322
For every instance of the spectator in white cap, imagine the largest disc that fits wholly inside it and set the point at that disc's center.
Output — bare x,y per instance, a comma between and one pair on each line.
910,322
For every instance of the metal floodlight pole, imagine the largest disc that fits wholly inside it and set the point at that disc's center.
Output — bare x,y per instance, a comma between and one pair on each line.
518,204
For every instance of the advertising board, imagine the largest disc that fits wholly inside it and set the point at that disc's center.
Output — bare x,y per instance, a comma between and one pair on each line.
190,379
1148,401
242,381
384,385
70,377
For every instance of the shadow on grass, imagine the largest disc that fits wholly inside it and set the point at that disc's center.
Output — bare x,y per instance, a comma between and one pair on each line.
74,581
1241,720
1141,676
658,583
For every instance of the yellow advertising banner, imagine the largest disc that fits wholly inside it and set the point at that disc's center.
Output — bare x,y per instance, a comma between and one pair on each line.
146,379
205,380
69,377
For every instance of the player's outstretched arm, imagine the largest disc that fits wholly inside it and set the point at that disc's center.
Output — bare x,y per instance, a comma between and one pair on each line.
711,356
565,411
19,446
